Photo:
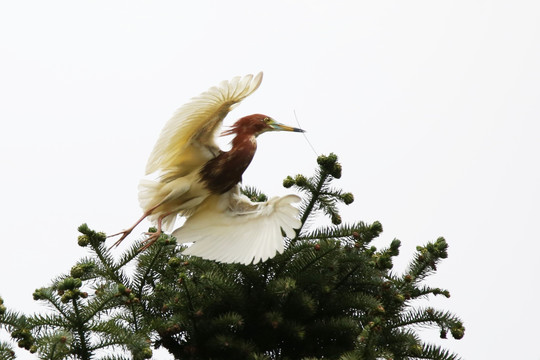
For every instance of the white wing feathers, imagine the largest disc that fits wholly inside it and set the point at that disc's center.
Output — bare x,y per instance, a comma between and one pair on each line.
230,228
196,123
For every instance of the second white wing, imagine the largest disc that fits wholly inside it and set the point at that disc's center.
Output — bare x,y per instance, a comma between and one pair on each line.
230,228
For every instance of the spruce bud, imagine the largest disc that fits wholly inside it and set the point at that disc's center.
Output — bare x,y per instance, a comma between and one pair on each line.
174,262
327,162
348,198
38,295
147,353
83,240
77,271
336,171
288,182
457,332
300,180
336,219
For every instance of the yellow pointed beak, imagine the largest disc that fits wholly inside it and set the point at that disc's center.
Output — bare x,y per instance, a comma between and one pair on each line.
275,126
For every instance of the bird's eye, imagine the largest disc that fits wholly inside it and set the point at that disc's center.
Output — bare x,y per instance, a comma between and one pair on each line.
267,120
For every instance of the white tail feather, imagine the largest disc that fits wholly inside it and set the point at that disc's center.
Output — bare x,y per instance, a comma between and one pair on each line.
232,229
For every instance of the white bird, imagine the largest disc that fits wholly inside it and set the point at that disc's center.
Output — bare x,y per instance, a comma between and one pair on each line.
201,182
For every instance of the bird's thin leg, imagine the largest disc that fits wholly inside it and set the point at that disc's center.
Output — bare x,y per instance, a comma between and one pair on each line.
155,235
125,233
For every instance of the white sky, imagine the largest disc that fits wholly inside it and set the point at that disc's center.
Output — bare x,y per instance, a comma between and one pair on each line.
432,107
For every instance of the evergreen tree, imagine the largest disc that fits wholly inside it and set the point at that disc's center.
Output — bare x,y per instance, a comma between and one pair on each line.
329,295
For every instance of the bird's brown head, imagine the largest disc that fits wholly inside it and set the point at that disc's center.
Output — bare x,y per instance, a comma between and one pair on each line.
257,124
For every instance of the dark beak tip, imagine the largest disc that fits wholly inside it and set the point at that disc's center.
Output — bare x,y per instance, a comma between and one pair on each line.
299,130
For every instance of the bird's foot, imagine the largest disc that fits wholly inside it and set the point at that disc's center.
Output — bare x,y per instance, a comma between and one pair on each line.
151,239
124,234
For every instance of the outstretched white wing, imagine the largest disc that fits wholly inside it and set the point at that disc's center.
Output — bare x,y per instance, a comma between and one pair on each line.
230,228
188,136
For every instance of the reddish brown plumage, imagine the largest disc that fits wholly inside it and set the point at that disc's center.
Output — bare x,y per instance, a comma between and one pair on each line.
249,125
223,172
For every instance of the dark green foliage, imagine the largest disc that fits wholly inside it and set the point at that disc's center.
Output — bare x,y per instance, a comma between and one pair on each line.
6,352
331,295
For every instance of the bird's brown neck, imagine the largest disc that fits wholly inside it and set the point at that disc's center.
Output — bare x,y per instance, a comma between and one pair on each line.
223,172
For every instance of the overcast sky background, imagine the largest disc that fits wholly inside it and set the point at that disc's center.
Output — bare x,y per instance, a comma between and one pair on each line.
432,107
